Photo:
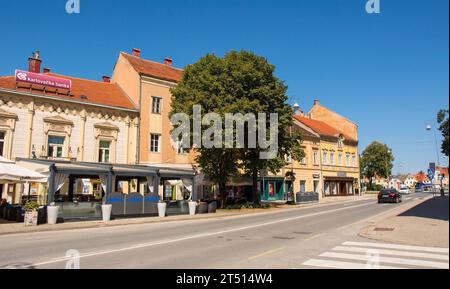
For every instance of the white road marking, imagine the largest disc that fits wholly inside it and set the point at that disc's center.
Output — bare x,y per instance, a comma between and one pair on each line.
401,261
170,241
341,265
392,253
398,247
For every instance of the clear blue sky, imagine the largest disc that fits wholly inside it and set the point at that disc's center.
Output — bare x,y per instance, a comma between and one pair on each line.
387,72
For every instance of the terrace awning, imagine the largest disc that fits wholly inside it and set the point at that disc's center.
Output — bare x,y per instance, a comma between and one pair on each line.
11,172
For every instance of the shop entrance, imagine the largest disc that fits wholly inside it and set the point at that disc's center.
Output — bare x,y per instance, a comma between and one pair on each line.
343,189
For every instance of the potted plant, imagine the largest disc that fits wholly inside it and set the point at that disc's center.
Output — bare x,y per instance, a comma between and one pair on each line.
106,212
192,207
31,213
162,206
52,214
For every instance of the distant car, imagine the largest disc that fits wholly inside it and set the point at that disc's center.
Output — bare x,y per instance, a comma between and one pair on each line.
389,196
404,190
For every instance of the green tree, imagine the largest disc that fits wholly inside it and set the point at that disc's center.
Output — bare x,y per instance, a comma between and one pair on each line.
443,121
240,82
376,160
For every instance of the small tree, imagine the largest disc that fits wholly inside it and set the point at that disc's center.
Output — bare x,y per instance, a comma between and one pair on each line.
376,160
443,121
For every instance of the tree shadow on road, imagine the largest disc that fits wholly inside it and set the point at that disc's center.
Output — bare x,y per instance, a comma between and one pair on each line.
436,208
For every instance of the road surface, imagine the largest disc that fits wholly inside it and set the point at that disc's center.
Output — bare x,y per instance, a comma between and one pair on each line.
314,237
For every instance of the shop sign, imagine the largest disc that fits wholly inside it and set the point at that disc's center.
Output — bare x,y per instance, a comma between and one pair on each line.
43,79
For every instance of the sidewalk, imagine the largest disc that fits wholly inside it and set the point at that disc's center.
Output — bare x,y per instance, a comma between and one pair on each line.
7,228
423,223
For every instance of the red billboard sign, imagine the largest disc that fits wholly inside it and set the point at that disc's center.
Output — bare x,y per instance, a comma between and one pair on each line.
42,79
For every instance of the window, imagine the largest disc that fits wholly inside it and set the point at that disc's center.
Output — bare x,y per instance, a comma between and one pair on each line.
2,142
302,186
316,186
340,142
155,143
316,157
156,105
354,160
55,146
324,159
104,151
332,158
340,159
347,160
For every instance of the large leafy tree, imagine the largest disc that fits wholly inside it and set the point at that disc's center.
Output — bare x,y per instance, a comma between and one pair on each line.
443,121
376,160
240,82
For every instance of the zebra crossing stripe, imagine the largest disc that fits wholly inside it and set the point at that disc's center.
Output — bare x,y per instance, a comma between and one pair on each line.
342,265
393,253
381,259
398,247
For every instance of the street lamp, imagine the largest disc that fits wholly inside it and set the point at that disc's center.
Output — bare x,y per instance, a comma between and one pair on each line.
387,166
430,128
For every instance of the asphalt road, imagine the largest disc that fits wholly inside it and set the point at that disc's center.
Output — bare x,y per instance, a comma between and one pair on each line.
281,239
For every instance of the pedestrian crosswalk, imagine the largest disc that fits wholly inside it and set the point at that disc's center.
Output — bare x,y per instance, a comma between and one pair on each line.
372,255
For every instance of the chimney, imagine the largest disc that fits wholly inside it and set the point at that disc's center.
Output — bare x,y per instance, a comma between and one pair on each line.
136,52
316,102
297,110
106,79
46,70
34,63
168,61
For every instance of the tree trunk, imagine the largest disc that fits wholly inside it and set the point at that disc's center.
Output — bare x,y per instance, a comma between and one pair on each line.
222,189
370,184
255,187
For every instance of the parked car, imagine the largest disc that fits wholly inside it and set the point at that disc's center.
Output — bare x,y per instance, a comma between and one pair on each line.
389,196
404,190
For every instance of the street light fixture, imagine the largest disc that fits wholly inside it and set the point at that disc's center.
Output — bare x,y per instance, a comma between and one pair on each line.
430,128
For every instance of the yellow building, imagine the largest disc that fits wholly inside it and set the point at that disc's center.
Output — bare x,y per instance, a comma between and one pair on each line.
331,164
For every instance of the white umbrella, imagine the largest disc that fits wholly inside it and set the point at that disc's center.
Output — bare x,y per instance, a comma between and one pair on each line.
10,172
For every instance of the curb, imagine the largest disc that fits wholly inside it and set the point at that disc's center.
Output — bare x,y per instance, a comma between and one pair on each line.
365,232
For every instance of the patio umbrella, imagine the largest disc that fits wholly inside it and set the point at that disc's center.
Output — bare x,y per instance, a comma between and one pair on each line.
12,173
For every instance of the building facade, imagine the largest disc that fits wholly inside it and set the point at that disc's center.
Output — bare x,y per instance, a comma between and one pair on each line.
331,163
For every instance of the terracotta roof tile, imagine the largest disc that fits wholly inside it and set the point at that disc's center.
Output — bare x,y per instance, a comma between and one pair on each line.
154,69
83,90
321,127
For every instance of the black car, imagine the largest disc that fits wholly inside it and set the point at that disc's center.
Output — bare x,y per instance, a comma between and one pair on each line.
389,196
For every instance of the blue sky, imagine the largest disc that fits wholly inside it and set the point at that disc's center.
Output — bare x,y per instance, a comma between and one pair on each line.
387,72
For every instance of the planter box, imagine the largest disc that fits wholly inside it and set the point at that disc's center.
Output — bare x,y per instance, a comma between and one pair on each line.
31,218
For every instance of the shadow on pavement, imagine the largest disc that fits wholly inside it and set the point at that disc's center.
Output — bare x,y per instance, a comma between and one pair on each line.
436,208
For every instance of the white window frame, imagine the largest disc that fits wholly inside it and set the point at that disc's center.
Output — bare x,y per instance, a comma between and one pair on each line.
159,102
158,143
57,146
101,151
316,157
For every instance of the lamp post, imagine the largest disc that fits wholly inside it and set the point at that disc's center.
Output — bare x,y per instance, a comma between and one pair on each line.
430,128
389,151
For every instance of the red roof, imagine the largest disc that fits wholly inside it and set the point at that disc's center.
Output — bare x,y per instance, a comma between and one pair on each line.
321,127
83,90
421,177
443,171
154,69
